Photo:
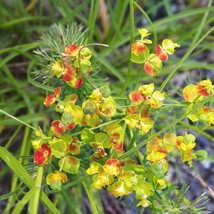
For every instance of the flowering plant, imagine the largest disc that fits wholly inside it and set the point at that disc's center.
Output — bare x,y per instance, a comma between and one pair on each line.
98,135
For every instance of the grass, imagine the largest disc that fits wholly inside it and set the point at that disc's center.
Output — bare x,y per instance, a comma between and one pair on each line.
21,96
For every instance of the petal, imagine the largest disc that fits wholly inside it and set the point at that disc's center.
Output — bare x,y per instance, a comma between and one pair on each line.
72,50
78,83
112,166
57,127
136,97
57,91
190,93
57,68
143,32
49,100
39,157
161,53
69,74
169,46
138,48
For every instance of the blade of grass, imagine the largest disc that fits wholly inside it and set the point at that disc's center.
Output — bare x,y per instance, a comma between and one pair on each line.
16,119
131,41
94,6
24,176
90,198
20,205
34,203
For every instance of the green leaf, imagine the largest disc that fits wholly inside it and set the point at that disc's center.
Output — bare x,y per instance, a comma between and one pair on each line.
69,164
140,58
87,135
103,138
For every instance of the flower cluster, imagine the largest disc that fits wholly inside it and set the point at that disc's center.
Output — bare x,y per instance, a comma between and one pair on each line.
140,53
158,148
74,65
92,132
196,93
121,178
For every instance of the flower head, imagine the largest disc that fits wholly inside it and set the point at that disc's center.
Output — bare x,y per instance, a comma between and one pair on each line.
42,154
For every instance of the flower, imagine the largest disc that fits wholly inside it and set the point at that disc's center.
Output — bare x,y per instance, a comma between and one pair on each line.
51,98
56,179
152,65
112,166
42,154
168,47
72,50
57,127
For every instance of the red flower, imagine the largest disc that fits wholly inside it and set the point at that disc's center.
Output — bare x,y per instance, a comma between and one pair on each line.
41,155
57,127
51,98
72,50
78,83
70,126
138,48
161,53
69,74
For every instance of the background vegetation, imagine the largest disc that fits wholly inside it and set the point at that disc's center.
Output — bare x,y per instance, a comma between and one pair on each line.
108,22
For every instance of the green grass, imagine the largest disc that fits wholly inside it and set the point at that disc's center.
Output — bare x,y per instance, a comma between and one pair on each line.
21,96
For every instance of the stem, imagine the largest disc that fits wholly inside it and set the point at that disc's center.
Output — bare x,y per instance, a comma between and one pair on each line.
202,24
37,186
149,20
91,199
15,118
134,139
131,41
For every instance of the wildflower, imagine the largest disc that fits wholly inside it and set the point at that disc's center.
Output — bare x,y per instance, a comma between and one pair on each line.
51,98
112,166
168,47
42,154
152,65
57,127
72,50
56,179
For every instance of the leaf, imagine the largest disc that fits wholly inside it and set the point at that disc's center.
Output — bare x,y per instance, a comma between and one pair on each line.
87,135
69,164
103,138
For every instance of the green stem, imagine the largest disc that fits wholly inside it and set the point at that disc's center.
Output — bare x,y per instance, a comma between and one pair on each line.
92,18
150,22
189,51
202,24
131,41
15,118
134,138
37,186
20,205
90,198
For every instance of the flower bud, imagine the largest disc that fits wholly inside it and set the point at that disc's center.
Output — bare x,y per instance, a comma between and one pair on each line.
105,90
60,107
89,107
201,155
